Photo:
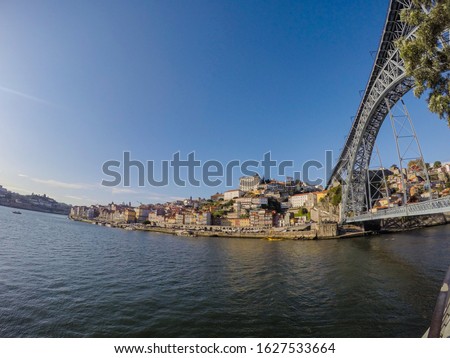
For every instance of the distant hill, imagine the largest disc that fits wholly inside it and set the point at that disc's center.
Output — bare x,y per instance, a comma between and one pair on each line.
34,202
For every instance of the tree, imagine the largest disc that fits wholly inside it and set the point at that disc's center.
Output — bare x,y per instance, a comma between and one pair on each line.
228,203
427,56
335,194
437,164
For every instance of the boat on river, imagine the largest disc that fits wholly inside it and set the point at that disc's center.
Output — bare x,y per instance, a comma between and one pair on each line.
16,212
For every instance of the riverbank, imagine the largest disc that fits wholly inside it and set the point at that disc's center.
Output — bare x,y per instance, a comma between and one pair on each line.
324,231
314,231
33,208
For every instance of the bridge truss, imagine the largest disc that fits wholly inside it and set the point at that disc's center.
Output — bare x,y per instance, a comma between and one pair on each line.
387,84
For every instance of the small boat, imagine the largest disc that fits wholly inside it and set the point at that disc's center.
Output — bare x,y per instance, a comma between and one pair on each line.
16,212
274,239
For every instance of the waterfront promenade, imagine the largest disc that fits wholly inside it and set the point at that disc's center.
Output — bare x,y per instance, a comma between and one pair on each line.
303,232
312,231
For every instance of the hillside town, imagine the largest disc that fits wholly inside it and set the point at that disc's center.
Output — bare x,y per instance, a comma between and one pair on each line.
259,205
33,202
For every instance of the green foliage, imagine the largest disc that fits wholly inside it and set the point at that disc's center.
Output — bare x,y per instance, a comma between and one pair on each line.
335,195
427,55
218,213
303,212
146,222
437,164
228,203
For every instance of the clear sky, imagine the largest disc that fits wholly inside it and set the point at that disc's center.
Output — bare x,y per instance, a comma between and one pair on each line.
83,81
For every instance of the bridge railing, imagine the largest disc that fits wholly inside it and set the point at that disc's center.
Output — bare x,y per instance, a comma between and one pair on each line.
423,208
440,321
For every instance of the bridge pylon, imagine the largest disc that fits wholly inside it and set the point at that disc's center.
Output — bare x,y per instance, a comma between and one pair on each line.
387,84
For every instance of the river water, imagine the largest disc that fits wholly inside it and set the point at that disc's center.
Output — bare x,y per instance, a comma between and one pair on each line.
60,278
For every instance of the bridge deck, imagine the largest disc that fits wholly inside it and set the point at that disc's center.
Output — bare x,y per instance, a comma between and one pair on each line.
435,206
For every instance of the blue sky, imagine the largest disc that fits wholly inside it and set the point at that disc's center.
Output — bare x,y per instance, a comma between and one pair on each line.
83,81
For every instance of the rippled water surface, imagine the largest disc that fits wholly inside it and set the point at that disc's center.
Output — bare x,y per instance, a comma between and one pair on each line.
60,278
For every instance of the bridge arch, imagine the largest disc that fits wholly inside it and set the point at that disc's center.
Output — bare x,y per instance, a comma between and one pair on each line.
387,84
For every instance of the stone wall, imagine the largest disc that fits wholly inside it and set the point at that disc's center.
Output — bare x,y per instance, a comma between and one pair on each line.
326,230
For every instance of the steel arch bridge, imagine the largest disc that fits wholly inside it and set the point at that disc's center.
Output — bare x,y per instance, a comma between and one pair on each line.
387,84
